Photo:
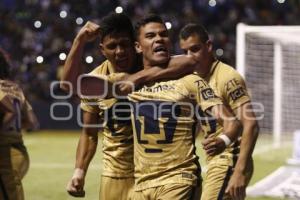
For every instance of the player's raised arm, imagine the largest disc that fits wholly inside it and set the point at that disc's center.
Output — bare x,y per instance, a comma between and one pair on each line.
73,66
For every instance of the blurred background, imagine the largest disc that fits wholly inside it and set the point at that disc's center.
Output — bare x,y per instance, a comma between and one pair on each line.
38,33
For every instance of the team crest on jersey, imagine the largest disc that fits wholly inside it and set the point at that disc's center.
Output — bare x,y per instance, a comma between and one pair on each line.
237,93
208,94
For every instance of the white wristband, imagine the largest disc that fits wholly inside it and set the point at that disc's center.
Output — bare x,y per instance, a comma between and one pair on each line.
78,173
226,139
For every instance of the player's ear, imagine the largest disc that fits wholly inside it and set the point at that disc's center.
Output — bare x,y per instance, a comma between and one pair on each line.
138,47
209,46
102,49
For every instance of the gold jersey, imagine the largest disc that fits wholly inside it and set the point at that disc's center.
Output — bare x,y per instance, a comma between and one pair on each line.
164,122
228,84
11,133
117,145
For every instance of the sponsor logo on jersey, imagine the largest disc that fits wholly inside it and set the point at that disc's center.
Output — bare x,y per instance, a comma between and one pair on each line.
158,88
207,94
237,93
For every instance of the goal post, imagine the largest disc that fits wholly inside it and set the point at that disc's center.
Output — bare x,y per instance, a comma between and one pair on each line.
268,57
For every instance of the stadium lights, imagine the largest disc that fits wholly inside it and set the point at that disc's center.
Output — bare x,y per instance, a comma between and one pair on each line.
79,20
219,52
89,59
63,14
37,24
62,56
39,59
119,9
212,3
168,25
280,1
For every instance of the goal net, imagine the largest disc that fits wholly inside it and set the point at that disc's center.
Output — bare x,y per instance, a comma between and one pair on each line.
268,57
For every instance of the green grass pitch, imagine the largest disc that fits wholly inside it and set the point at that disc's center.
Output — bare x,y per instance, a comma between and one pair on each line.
52,157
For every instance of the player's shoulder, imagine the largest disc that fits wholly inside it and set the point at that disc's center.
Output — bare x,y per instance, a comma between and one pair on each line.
191,77
105,68
193,82
226,72
10,88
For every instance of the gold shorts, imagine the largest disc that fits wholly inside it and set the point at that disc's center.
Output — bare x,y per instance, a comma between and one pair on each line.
173,191
218,174
116,188
14,164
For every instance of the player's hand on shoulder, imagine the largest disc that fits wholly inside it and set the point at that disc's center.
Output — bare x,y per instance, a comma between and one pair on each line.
89,32
75,186
127,84
213,145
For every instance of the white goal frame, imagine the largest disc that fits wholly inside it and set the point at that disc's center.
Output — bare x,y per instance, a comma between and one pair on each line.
272,33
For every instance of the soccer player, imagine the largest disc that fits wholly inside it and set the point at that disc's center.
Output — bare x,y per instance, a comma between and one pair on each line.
14,159
164,120
229,172
117,45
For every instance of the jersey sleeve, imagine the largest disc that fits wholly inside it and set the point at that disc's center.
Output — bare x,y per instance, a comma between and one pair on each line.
90,105
28,106
115,77
201,91
2,95
234,91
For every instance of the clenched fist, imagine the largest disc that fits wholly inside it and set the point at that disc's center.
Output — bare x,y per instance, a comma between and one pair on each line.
89,32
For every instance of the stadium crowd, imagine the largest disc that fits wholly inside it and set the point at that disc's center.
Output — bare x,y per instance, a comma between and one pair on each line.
33,28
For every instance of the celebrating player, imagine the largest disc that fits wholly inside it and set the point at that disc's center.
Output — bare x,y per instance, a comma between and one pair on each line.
117,45
14,109
231,169
166,166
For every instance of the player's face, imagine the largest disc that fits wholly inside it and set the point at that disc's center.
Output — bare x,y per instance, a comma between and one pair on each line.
154,43
119,50
195,47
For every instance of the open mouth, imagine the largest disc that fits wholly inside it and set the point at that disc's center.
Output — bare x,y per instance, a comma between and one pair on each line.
160,49
122,60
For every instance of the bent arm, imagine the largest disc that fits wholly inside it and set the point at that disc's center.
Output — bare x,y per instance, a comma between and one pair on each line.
231,125
73,66
178,66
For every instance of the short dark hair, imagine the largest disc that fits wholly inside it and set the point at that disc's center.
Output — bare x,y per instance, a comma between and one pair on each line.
115,23
4,65
191,29
147,19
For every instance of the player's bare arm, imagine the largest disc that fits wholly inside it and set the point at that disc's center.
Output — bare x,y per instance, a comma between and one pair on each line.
86,149
73,66
231,127
7,107
31,122
6,104
178,66
237,183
